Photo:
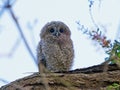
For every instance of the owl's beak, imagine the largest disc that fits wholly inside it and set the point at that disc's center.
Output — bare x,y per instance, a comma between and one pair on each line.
57,34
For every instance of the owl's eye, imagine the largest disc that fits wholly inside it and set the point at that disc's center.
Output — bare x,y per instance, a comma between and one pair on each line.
51,30
61,30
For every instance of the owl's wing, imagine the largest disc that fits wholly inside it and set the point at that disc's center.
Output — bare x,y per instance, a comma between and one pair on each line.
40,57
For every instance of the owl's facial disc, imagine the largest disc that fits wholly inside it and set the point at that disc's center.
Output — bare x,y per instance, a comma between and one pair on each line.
56,32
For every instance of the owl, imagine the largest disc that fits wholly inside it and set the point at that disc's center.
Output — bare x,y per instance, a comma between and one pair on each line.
55,49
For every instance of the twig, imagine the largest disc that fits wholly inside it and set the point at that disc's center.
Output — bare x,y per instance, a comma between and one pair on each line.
21,32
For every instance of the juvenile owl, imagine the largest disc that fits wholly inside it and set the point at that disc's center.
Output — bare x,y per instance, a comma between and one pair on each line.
55,50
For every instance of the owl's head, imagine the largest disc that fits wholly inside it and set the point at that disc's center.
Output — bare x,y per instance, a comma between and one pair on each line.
55,30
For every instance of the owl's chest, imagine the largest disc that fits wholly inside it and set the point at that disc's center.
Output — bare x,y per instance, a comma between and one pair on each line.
56,50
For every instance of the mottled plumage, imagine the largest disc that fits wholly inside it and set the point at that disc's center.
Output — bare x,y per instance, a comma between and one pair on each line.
55,49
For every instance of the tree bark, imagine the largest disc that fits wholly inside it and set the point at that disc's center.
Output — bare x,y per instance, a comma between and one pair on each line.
91,78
